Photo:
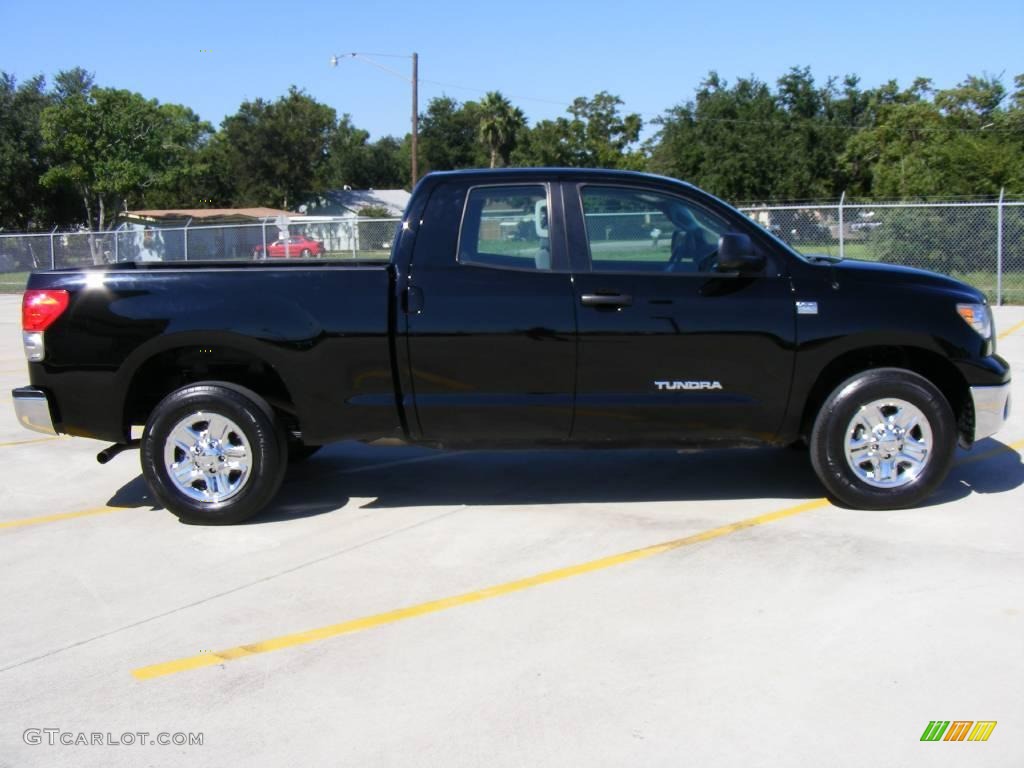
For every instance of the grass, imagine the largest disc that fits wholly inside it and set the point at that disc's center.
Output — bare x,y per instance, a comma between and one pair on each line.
13,282
361,255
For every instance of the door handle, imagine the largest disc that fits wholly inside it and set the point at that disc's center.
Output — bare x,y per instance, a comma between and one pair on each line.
606,300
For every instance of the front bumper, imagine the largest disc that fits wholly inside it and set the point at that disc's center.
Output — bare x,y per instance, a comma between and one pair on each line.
32,407
991,409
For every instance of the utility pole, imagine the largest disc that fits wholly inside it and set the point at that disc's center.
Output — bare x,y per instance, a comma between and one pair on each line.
415,81
415,117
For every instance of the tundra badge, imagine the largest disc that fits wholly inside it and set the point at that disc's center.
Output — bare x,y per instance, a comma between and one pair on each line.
667,385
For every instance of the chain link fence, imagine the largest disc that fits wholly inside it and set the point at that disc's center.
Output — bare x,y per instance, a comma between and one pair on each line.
310,237
979,243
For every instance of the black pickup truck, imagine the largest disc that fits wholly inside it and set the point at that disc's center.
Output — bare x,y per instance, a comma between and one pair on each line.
520,308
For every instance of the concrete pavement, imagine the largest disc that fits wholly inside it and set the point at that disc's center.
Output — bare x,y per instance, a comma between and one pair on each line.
819,636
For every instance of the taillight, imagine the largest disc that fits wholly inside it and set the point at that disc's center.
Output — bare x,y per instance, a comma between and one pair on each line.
38,311
40,308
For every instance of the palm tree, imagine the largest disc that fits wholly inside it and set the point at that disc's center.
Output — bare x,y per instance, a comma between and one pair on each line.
500,122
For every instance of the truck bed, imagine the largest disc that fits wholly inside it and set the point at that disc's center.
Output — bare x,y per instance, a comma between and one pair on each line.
317,329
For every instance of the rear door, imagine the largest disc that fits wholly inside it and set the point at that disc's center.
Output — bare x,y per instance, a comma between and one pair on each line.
491,319
669,348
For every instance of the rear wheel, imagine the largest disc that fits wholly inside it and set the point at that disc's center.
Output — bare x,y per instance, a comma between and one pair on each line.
305,253
212,453
884,439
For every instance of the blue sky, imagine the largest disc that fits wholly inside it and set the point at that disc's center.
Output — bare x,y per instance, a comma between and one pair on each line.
213,55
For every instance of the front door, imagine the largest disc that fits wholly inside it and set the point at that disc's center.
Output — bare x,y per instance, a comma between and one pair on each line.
668,347
492,326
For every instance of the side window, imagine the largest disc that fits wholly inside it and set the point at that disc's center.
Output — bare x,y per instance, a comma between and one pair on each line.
506,227
634,230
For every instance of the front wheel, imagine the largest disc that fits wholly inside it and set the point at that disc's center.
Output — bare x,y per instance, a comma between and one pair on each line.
213,454
884,439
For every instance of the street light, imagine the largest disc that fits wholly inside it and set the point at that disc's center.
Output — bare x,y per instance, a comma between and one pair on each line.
415,93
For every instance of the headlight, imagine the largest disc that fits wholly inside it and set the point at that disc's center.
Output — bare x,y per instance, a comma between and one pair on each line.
978,317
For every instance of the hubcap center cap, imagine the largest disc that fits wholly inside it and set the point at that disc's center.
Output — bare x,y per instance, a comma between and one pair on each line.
889,442
208,456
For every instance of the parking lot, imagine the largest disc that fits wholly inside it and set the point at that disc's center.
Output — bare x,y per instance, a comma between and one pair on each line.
401,606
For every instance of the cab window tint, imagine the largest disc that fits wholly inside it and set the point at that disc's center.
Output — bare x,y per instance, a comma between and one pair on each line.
632,230
506,227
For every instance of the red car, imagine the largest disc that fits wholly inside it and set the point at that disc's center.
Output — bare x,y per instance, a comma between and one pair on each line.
297,246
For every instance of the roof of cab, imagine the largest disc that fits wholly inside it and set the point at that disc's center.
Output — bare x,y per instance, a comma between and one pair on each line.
547,173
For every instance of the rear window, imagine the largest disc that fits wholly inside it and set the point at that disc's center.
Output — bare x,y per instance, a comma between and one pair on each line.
506,228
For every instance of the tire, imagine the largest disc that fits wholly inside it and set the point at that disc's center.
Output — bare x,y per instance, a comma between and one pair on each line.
884,439
304,253
228,445
300,451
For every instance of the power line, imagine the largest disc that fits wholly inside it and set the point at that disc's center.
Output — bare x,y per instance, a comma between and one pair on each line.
653,118
485,90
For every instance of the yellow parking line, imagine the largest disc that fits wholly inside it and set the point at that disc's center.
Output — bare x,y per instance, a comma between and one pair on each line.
1011,329
29,442
390,617
61,516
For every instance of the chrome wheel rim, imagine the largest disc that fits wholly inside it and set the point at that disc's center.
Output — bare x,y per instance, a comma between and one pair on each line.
208,457
888,443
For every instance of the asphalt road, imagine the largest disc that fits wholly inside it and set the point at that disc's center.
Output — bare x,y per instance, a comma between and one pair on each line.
403,607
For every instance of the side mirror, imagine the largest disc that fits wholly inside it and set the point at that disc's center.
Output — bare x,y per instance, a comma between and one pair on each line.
736,253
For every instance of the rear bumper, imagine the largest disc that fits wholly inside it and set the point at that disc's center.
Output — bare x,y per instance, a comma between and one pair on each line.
991,409
32,407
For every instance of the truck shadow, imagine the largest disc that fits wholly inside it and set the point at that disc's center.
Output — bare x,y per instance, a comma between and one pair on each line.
990,467
384,478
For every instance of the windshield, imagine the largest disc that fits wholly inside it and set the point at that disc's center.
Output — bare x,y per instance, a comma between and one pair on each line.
807,258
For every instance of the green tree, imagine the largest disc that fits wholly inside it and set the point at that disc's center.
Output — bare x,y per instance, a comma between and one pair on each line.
275,153
354,161
1011,129
549,143
72,83
389,161
374,212
603,137
921,146
727,139
500,126
22,198
25,203
110,146
802,140
191,185
973,102
449,135
596,136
